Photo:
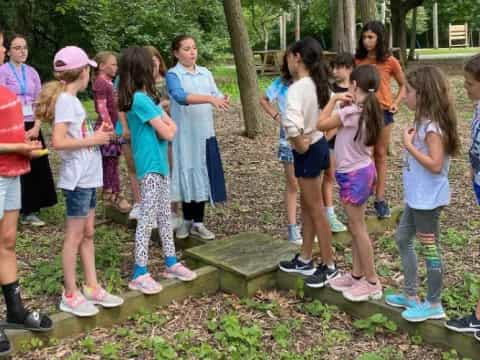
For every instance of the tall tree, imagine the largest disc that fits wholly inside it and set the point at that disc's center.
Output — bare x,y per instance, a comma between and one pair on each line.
368,10
344,29
400,8
246,74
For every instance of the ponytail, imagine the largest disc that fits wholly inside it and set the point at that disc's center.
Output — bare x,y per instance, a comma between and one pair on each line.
367,79
372,117
319,75
45,103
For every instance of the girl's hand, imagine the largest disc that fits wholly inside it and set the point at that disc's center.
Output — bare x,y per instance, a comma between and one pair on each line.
220,103
345,99
393,109
408,136
28,147
106,126
33,133
126,134
102,136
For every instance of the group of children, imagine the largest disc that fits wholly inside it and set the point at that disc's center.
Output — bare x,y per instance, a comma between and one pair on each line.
313,111
169,162
162,122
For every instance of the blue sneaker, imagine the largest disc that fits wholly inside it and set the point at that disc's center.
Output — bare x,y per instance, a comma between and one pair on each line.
400,301
424,311
382,209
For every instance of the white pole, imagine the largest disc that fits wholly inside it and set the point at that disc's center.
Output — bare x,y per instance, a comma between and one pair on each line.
297,22
435,25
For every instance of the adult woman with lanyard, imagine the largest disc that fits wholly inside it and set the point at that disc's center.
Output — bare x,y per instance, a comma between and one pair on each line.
38,188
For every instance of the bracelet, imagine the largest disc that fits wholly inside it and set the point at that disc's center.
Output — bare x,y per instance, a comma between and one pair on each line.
275,116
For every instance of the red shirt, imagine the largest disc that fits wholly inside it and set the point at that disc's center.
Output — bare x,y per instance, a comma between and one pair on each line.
11,131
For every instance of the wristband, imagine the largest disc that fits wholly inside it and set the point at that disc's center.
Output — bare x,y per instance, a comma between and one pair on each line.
276,115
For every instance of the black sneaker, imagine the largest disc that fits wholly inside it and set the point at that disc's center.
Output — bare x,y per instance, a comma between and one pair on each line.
297,266
321,277
477,335
5,346
466,324
382,209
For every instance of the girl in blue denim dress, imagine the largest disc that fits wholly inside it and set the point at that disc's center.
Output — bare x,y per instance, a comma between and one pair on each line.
197,174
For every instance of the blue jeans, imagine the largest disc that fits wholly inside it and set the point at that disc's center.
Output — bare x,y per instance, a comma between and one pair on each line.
80,201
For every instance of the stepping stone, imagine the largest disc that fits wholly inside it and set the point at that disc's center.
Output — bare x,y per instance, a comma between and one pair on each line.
247,261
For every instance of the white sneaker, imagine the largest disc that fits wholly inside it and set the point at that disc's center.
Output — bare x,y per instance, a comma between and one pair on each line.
32,219
78,305
135,212
176,221
201,231
183,230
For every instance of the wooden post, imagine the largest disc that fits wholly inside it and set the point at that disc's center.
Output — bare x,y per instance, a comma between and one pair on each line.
435,25
297,23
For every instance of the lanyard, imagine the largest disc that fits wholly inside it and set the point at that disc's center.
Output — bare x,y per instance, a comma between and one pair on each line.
23,84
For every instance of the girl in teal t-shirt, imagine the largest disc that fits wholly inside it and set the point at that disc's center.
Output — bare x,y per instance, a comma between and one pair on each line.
150,129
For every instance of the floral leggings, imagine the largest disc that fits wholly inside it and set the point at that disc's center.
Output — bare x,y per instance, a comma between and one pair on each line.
155,207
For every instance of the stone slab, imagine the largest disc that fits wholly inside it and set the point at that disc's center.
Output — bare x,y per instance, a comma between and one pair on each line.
432,331
67,325
248,255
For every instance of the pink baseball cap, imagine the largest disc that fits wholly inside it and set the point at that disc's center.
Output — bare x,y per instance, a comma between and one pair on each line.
73,57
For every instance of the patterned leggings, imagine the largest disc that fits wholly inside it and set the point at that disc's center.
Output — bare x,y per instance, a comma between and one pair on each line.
111,177
155,205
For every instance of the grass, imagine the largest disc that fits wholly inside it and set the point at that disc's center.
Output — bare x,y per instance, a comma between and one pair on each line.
445,51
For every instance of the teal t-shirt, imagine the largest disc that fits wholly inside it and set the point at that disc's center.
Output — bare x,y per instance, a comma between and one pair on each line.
149,151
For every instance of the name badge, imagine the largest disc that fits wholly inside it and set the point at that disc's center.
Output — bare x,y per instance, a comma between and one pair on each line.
27,110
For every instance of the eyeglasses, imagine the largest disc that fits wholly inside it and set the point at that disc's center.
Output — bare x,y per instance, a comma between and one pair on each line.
19,48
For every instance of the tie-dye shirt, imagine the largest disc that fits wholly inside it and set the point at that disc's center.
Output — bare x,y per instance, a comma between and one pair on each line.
474,152
277,92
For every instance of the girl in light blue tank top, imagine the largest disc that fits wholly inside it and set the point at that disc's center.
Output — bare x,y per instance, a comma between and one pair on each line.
429,143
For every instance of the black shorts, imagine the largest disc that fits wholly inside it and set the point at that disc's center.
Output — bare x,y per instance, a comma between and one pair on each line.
331,142
387,118
316,159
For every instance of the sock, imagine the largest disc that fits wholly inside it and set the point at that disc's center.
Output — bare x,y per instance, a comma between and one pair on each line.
356,277
196,224
305,261
330,210
170,260
16,312
139,271
331,266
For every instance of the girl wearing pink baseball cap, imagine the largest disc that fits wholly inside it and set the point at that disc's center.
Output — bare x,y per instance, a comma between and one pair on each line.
80,175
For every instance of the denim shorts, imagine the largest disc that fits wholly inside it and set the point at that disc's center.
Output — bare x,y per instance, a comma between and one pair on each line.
80,201
356,186
311,163
476,189
387,118
10,194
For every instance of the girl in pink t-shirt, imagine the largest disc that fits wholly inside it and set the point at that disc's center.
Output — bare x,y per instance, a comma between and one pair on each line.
359,124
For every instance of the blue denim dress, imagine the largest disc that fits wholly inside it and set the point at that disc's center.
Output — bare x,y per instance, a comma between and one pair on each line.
197,173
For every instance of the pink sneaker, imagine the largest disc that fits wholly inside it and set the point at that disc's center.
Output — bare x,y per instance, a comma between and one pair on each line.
363,291
179,271
98,296
145,284
342,283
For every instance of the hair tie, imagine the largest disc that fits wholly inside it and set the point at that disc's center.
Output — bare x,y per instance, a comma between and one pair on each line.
371,90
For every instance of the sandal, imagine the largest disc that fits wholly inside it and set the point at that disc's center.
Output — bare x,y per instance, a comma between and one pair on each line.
34,321
121,203
5,346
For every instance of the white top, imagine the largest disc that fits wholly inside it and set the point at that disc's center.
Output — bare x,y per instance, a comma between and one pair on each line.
81,167
302,110
422,189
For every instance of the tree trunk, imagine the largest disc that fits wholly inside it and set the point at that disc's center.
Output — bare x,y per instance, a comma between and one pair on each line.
368,10
413,36
399,9
344,34
246,74
350,25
